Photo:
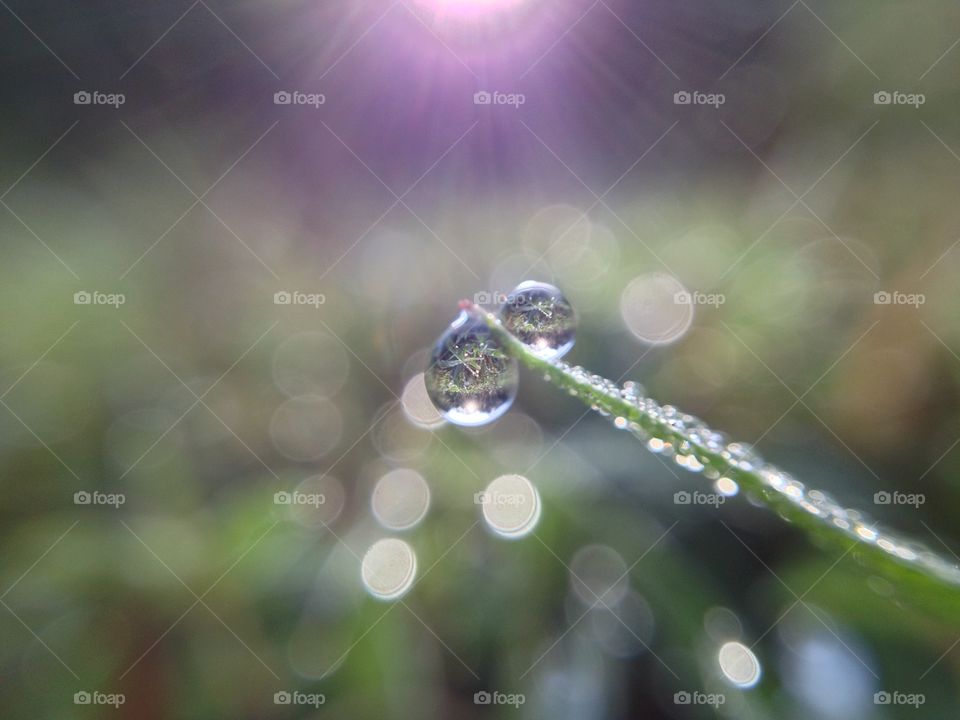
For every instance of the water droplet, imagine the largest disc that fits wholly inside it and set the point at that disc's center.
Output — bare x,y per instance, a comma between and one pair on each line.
471,379
541,318
726,487
688,462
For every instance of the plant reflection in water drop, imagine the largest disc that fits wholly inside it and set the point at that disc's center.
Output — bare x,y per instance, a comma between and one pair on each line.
471,379
541,318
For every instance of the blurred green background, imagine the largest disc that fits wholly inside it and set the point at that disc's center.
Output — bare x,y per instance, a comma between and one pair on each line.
199,397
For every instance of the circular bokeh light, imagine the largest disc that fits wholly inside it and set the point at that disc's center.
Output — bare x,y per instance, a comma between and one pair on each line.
388,569
656,308
511,506
739,665
400,499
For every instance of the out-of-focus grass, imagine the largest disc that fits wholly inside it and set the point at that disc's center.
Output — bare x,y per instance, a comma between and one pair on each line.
881,410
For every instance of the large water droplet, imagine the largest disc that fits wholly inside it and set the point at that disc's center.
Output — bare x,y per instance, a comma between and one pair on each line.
471,379
541,318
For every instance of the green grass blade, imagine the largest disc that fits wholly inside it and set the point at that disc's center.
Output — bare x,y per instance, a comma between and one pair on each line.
930,577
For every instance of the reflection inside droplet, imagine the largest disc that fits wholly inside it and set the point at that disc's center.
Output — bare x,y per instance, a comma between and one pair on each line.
739,665
400,499
511,506
541,318
471,379
388,569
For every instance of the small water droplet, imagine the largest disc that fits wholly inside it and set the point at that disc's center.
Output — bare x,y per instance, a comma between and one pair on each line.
541,318
632,391
688,462
471,379
726,486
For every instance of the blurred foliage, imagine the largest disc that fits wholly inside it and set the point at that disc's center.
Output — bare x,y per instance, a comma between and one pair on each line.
200,597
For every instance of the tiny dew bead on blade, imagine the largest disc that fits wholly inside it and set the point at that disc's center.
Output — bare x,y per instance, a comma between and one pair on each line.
540,317
471,379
